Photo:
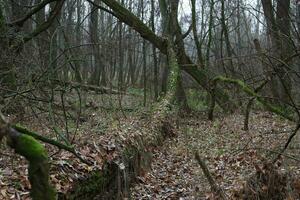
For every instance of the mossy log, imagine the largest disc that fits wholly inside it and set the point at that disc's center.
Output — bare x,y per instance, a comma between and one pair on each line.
59,145
272,108
36,155
97,89
38,169
114,180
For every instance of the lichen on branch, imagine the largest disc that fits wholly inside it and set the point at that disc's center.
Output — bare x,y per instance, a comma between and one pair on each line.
249,91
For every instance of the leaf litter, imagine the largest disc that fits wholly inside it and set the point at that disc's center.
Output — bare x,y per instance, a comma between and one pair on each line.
231,155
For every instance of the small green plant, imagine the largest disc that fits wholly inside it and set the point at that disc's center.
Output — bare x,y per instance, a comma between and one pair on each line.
197,99
135,91
220,152
216,124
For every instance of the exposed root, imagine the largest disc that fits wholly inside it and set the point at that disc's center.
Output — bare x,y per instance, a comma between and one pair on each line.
269,183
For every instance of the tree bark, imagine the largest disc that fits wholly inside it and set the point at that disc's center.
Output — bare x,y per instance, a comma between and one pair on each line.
278,30
198,74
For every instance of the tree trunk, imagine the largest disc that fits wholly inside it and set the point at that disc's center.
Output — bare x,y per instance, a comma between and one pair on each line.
195,34
155,62
95,60
278,30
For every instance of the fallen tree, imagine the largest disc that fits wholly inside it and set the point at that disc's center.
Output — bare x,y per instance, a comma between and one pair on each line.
213,186
97,89
113,181
25,143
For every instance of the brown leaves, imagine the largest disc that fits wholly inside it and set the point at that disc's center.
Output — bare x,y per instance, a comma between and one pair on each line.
14,184
232,154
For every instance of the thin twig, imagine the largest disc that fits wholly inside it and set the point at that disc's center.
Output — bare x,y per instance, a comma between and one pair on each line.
288,142
214,187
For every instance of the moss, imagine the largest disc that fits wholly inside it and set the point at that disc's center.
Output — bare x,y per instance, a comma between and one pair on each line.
111,182
30,148
275,109
174,69
129,152
38,173
96,183
38,170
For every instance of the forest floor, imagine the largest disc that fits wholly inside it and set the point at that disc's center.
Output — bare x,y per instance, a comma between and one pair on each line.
231,154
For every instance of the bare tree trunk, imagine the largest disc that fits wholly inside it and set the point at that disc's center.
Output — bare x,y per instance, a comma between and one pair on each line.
155,62
144,62
195,34
278,30
95,59
210,30
42,43
121,53
286,45
226,38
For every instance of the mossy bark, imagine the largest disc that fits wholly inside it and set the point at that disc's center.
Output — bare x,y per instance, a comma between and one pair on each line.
115,178
38,170
113,181
275,109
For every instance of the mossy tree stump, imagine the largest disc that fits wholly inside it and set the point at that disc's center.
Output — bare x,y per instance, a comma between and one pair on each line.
36,155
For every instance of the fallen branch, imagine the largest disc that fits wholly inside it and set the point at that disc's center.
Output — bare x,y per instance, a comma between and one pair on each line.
252,93
101,90
214,187
288,142
50,141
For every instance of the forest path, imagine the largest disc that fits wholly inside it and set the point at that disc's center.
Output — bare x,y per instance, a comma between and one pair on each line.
231,155
174,173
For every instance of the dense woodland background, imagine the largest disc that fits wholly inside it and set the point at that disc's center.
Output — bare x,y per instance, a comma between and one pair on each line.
103,83
85,44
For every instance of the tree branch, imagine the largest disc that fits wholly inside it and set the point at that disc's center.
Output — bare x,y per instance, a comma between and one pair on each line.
102,8
252,93
160,43
44,26
131,20
50,141
20,22
214,187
